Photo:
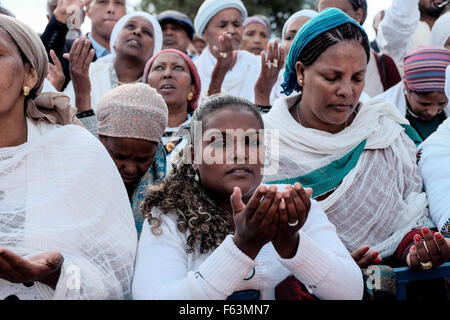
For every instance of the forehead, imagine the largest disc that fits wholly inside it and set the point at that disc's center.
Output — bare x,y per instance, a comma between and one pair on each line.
256,27
6,40
344,54
171,24
432,97
140,21
344,5
97,2
229,14
297,23
170,57
129,145
231,117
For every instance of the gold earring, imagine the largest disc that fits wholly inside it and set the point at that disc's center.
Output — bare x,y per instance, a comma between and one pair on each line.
300,82
26,91
190,96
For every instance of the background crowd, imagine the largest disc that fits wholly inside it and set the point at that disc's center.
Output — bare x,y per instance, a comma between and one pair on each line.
159,157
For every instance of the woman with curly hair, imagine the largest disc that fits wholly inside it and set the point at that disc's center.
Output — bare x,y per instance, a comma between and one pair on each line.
212,232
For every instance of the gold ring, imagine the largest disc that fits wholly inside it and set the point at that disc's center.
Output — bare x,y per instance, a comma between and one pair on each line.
269,64
275,63
426,266
223,54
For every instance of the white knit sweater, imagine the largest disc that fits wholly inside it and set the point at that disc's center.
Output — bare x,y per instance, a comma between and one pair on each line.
165,271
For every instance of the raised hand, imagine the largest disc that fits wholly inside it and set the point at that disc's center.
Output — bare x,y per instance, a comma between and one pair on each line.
271,63
364,258
226,59
44,268
293,212
428,251
80,58
256,223
55,72
67,8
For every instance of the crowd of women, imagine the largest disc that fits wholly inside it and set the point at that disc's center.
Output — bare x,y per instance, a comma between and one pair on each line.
137,163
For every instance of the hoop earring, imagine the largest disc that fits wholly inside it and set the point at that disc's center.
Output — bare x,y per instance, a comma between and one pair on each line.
26,91
190,96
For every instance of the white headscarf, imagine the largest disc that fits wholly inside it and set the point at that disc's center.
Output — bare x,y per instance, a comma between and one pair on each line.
210,8
364,213
441,30
157,33
302,13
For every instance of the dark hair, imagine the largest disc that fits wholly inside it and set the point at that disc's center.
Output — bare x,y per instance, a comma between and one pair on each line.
356,4
346,31
181,193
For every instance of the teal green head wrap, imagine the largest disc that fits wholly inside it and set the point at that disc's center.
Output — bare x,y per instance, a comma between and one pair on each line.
326,20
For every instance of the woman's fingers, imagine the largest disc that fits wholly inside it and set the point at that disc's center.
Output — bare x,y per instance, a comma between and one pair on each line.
290,206
272,211
300,209
444,246
305,198
359,253
55,60
422,252
85,50
283,216
282,57
431,246
255,201
236,200
88,60
75,52
264,206
413,258
365,259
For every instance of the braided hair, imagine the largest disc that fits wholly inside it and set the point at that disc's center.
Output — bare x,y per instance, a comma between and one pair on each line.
346,31
183,195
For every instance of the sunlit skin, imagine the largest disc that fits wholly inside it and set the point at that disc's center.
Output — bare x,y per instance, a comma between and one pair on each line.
255,38
133,157
15,75
332,86
175,37
171,77
426,105
344,5
104,14
221,179
291,31
227,21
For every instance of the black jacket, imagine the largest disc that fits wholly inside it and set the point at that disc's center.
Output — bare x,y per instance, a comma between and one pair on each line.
54,38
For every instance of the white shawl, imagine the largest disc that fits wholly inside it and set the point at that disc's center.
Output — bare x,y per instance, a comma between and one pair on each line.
61,191
381,199
435,167
239,81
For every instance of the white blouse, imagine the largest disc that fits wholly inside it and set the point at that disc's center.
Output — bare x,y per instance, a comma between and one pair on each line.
165,271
